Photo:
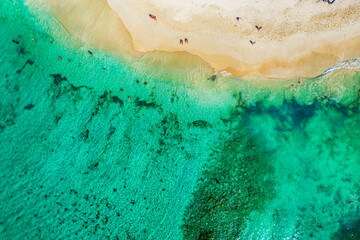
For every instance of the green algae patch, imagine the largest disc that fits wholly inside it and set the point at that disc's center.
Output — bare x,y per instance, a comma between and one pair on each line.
236,182
349,228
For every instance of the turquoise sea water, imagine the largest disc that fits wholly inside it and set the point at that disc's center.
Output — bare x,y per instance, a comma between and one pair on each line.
79,160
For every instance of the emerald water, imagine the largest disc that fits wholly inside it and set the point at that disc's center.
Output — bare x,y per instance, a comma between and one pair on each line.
79,160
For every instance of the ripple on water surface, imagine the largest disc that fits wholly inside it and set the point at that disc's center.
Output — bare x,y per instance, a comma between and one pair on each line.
219,159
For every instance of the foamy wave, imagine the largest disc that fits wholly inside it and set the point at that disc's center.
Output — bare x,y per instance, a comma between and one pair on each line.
223,73
353,63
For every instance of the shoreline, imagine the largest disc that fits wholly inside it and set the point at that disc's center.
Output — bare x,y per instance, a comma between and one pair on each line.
104,25
296,55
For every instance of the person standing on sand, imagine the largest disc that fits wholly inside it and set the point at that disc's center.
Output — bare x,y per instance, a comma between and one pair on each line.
186,40
152,17
181,42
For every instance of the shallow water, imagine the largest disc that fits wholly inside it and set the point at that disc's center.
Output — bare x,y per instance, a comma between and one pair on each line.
220,159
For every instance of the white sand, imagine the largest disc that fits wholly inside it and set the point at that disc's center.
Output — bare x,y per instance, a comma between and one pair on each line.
299,38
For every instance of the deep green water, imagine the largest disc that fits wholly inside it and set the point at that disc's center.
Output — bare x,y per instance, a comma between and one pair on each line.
79,160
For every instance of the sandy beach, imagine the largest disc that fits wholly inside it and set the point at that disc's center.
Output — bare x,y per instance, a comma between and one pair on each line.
297,39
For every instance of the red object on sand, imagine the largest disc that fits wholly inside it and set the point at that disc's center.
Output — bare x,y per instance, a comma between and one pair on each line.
152,17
